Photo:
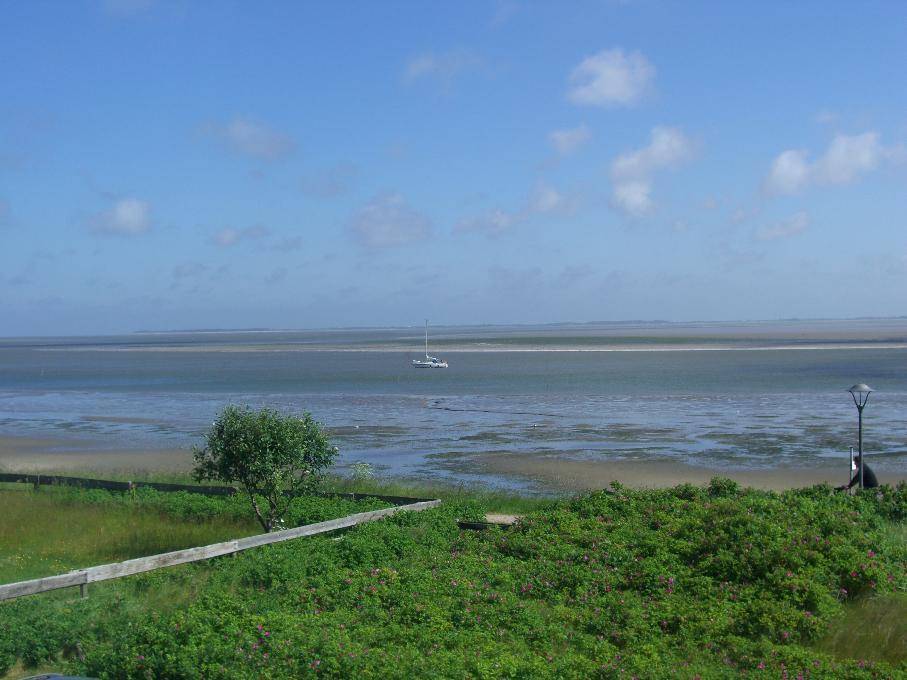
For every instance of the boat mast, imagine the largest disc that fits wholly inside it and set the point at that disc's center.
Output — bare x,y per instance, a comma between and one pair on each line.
426,338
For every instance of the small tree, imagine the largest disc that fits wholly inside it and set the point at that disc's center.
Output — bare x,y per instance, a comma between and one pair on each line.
272,456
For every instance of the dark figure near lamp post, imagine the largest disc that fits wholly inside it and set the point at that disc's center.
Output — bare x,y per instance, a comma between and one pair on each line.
863,472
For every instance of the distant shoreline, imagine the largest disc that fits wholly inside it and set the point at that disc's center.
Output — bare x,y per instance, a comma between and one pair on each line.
465,349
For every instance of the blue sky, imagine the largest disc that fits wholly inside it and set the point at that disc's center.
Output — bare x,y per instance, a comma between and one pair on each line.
169,164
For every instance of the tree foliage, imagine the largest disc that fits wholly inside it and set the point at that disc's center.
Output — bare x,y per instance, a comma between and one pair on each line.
271,455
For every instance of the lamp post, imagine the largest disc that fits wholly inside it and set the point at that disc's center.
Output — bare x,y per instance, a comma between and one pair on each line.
860,394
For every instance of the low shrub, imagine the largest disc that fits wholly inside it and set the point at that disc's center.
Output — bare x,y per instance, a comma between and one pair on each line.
713,582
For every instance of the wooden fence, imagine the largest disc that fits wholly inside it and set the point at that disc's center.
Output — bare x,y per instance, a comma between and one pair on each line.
104,572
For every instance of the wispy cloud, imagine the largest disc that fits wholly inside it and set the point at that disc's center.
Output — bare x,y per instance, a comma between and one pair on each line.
127,216
443,68
494,222
388,220
611,78
569,140
230,236
789,227
633,173
330,182
847,157
251,139
546,199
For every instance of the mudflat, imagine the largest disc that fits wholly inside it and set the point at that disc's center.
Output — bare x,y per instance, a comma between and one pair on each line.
21,454
547,472
585,475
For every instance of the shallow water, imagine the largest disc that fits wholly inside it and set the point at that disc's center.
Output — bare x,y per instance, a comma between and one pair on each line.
732,408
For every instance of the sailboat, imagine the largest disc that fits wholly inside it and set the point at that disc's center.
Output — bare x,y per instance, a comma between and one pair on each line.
429,361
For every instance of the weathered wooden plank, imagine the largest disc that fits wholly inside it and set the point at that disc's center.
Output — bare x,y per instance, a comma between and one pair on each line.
105,572
40,585
329,525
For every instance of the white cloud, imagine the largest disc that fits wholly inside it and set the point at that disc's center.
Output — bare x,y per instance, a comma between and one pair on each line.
230,236
789,227
128,216
633,173
387,220
611,78
252,139
789,172
632,198
570,140
443,67
847,157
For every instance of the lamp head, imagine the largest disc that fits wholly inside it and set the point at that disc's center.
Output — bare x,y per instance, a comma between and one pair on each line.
860,393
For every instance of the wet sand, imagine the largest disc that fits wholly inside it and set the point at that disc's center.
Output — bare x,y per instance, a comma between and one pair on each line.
584,475
540,472
19,454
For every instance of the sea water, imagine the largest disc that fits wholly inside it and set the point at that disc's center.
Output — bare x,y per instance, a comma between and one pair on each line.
725,408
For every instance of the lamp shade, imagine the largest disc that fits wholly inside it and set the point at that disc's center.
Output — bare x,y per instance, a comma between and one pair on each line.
860,393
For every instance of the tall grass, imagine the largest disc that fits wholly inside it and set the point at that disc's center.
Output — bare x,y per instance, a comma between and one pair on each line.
490,500
874,629
45,532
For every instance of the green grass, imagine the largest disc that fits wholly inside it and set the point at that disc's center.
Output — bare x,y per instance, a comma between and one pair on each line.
873,628
47,532
489,500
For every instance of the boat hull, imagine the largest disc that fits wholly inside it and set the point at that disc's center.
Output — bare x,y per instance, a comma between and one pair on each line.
429,364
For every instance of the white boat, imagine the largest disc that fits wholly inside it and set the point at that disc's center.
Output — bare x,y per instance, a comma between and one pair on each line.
429,361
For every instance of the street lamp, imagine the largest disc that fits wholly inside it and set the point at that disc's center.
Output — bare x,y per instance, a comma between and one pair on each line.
860,394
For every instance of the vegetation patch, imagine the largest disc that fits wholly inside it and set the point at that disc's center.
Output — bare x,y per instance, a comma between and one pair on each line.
715,582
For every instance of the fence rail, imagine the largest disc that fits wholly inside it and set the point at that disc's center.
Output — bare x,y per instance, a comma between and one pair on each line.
104,572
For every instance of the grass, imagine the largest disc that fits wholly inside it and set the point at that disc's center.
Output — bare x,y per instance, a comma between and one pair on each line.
46,532
874,629
491,500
